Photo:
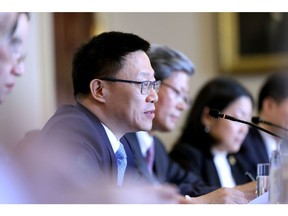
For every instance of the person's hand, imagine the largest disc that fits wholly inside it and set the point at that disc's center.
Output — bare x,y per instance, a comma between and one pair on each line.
221,196
249,190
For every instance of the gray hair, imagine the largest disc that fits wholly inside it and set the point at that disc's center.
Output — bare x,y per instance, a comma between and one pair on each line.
166,60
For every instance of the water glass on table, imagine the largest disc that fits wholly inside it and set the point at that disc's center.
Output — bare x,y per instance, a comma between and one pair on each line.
262,179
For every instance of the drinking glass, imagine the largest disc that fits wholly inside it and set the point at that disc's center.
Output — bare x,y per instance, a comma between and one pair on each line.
262,179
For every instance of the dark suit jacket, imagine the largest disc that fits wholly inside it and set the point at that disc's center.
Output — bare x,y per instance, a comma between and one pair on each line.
77,133
74,151
166,170
252,152
202,164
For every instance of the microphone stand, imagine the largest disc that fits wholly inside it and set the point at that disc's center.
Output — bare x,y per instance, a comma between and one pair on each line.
257,120
277,185
217,114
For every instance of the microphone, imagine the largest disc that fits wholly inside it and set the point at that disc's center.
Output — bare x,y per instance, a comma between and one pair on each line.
217,114
257,120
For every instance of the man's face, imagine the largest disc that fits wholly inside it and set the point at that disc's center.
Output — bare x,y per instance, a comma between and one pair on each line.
171,101
129,110
276,113
11,50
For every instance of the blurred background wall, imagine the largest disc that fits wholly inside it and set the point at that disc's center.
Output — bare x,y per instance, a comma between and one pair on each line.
37,94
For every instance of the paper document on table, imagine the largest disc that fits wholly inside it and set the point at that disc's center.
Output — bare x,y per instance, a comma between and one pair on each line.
263,199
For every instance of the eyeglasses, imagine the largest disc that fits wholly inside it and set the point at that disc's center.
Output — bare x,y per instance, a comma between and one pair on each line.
186,100
145,86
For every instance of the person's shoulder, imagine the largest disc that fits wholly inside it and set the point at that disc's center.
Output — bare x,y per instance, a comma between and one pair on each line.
252,140
185,148
68,120
185,151
67,109
70,114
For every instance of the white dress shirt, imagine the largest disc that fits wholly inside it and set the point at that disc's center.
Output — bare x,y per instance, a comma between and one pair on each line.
145,141
270,143
112,138
223,168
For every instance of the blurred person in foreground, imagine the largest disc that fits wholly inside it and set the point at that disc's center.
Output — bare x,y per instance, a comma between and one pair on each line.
13,31
174,70
206,143
76,157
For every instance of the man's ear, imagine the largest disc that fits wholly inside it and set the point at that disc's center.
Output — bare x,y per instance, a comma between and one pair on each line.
97,90
268,104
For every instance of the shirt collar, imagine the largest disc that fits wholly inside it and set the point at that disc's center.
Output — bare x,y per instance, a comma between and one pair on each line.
115,143
270,142
145,141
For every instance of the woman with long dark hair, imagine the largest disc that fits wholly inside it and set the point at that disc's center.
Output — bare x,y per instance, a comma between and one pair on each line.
206,145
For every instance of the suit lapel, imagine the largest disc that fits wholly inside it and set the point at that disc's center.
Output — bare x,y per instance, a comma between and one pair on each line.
103,138
138,158
211,172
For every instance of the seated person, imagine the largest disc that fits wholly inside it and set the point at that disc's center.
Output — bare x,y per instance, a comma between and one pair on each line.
272,107
206,143
174,70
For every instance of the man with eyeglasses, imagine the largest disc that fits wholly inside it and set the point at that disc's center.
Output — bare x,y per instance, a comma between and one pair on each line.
75,159
174,70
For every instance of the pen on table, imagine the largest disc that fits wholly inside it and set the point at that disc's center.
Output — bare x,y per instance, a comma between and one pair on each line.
187,197
250,176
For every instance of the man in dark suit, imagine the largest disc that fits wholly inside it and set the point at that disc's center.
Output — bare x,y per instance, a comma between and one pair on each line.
272,107
77,150
174,69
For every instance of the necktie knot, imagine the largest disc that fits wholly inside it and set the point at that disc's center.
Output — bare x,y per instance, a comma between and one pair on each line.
121,163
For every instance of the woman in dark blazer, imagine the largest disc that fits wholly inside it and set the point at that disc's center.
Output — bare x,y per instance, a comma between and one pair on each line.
207,144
